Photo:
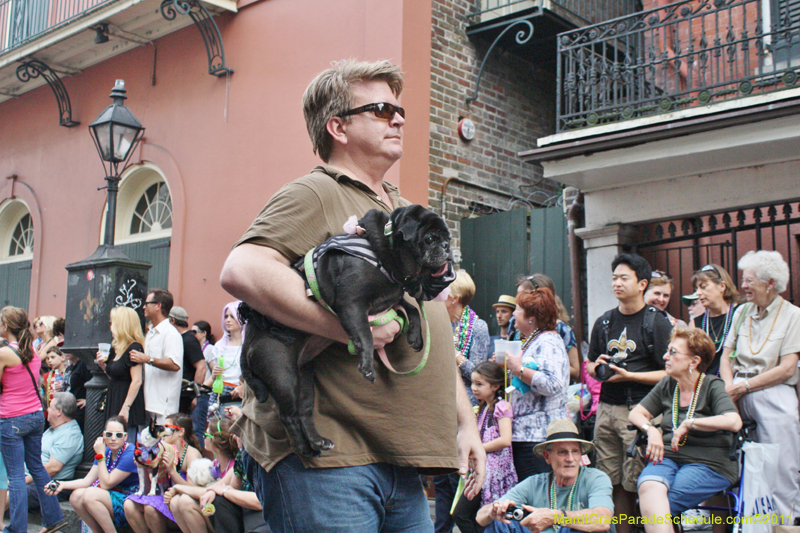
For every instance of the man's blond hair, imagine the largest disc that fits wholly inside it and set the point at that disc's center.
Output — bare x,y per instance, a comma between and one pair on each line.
329,96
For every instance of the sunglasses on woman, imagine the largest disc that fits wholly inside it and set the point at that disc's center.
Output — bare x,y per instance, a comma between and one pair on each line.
381,109
113,434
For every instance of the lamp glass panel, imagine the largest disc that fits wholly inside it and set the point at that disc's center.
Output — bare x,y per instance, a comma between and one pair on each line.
123,137
103,134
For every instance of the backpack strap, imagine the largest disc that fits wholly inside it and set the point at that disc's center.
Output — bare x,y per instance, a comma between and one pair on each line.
606,321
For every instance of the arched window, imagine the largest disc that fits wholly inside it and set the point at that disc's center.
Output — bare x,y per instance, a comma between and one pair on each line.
22,238
153,212
144,220
16,253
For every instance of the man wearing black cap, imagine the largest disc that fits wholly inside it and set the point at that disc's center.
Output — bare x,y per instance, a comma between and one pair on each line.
194,364
573,497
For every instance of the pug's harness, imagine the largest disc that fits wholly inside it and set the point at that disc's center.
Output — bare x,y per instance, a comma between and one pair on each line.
358,246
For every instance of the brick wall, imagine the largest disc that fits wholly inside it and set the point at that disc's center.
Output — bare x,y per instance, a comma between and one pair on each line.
515,106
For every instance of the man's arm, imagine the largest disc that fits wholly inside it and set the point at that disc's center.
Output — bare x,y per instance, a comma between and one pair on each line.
264,278
53,466
471,455
200,371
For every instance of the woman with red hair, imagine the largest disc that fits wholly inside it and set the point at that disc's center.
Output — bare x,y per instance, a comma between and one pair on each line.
542,365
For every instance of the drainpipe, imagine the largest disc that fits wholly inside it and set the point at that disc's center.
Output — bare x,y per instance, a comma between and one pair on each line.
575,220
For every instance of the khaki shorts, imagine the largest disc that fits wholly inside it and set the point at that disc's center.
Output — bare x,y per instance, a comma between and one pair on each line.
611,440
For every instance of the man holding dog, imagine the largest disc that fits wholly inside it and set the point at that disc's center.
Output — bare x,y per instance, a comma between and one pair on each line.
385,432
573,497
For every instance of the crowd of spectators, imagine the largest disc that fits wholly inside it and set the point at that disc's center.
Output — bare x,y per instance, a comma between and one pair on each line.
653,370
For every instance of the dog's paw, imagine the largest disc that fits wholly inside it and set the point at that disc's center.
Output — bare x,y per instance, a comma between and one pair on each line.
321,445
368,372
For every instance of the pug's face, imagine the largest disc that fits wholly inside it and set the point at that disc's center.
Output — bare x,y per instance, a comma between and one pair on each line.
426,238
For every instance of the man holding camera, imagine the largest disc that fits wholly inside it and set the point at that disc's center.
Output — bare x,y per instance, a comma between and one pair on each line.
626,353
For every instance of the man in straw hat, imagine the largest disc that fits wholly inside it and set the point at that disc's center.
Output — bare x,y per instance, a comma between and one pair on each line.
572,497
503,310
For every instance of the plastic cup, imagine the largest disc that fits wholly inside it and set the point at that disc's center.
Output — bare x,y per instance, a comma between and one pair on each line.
104,348
514,346
500,347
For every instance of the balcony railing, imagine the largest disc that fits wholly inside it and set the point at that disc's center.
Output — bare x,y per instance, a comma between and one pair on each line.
687,54
24,20
584,11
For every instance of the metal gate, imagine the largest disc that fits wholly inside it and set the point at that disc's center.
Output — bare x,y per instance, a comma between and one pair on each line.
680,247
496,249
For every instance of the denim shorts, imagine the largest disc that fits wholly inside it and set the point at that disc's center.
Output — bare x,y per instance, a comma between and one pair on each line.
688,484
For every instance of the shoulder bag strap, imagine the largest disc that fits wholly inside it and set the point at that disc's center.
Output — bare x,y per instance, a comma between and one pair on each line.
33,380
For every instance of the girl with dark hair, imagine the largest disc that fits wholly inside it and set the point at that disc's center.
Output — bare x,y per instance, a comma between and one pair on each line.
494,421
151,513
543,366
98,498
22,421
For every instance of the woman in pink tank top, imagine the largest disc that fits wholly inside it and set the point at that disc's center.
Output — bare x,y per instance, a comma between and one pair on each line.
22,422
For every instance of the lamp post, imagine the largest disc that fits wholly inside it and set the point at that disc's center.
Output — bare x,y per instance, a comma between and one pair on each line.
115,133
108,278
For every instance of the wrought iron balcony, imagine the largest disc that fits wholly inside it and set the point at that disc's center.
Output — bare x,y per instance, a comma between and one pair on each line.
687,54
24,20
579,12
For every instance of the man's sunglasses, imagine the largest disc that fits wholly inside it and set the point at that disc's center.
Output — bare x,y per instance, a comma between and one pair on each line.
381,110
113,434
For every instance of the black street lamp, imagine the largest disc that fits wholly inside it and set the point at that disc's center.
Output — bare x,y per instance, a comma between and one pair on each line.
115,133
108,278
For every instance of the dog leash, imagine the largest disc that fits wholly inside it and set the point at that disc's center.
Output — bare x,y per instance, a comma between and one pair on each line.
382,320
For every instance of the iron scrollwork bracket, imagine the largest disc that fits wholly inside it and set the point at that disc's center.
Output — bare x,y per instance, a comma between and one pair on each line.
521,38
208,30
35,68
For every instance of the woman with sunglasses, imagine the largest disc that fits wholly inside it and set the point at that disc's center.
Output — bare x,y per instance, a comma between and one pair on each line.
717,292
22,421
98,498
184,500
150,513
125,395
689,463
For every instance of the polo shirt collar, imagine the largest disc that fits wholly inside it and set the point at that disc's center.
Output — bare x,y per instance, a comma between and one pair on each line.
341,177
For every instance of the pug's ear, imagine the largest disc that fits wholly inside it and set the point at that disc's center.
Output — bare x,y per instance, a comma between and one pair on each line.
405,221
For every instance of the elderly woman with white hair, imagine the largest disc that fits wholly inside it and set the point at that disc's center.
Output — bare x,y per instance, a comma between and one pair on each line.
762,375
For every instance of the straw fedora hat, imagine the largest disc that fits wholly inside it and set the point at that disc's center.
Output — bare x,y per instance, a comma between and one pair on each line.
563,430
505,301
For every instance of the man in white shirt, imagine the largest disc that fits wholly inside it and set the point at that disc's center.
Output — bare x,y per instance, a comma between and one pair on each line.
163,357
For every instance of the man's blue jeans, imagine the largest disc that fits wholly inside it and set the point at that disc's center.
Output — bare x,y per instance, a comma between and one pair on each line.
373,498
22,446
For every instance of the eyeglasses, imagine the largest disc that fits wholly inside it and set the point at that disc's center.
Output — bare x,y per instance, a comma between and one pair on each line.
208,435
172,426
113,434
671,352
150,303
533,282
749,281
711,268
196,331
658,274
381,110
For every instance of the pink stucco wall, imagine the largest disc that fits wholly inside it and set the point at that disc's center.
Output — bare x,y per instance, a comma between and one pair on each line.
220,173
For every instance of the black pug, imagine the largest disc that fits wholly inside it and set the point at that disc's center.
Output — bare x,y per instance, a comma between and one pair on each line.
411,247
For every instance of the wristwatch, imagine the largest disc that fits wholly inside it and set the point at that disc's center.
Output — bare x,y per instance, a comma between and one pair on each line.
150,362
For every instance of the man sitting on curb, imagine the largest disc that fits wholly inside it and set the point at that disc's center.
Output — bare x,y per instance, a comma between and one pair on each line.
582,499
62,445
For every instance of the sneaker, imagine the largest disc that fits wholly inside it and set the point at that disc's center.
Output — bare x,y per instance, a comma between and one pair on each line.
58,526
696,519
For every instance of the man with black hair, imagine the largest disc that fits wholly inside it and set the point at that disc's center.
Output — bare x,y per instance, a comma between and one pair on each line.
638,335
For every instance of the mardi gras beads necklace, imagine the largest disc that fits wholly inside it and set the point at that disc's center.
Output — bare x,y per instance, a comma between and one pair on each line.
692,406
462,337
570,498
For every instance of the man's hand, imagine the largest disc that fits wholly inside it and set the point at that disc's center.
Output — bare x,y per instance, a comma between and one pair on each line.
471,461
138,357
383,335
539,519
